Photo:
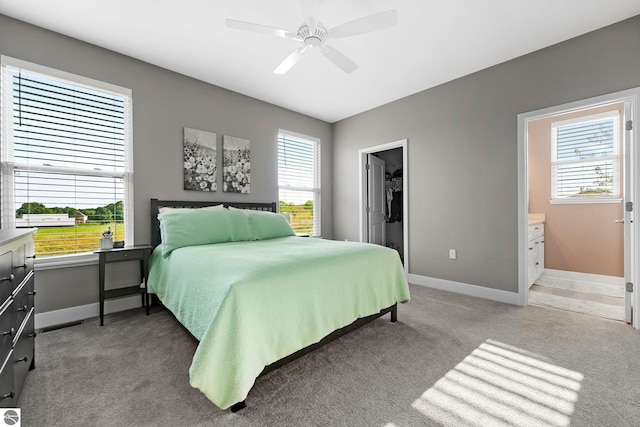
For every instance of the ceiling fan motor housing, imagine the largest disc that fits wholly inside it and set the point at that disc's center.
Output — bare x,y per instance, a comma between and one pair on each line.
312,39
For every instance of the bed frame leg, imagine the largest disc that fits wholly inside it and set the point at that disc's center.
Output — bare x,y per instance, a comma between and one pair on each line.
238,406
394,313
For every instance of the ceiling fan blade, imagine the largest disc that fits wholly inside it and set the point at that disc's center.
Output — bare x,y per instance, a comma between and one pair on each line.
339,59
290,61
366,24
310,12
261,29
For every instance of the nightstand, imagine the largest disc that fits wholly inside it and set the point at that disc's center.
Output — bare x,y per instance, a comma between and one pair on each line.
128,253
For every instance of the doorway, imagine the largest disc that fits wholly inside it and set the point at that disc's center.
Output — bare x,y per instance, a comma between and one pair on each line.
563,214
383,197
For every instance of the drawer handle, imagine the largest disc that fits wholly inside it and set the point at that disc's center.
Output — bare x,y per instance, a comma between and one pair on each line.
531,248
23,308
31,293
21,266
22,359
32,335
31,257
7,396
10,278
9,332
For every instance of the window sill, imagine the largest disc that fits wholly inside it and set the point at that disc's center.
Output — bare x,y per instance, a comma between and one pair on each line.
583,200
65,261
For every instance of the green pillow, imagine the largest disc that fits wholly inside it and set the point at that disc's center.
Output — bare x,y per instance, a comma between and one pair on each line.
197,227
268,225
239,225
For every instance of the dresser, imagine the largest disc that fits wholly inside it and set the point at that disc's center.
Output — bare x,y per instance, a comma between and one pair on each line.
17,335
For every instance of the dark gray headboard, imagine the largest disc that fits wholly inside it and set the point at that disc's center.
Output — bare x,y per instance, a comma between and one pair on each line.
157,204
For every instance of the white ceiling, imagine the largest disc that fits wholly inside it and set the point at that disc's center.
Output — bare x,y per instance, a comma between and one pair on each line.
435,41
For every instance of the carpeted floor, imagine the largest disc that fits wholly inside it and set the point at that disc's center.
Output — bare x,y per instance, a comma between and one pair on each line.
450,360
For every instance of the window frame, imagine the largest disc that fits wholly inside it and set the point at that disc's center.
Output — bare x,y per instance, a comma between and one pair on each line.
8,167
615,158
316,189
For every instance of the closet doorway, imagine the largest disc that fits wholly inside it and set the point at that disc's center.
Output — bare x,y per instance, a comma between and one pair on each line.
555,187
383,197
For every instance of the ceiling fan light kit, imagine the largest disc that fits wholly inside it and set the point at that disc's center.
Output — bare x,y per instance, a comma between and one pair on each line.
313,35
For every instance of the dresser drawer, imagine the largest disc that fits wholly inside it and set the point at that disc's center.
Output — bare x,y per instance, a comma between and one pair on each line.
23,300
23,353
19,266
8,330
114,256
7,393
6,278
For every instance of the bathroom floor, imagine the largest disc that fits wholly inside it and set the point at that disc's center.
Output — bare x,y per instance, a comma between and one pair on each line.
607,303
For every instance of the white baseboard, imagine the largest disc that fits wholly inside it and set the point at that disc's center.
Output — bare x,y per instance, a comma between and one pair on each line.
465,288
583,282
82,312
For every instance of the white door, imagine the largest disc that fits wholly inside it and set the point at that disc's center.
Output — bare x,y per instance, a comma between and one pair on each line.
629,206
376,201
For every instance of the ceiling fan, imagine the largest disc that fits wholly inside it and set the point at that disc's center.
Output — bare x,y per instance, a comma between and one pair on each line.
313,35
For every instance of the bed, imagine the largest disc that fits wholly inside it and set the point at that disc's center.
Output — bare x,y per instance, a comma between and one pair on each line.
255,295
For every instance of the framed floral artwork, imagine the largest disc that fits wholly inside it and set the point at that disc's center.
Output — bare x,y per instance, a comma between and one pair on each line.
200,156
236,165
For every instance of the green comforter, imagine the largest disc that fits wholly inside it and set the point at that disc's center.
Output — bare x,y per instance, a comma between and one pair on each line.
252,303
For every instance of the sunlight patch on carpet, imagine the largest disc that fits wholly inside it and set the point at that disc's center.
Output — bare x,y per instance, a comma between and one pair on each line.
502,385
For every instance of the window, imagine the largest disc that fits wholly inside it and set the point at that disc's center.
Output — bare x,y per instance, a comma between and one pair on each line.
65,158
299,181
585,159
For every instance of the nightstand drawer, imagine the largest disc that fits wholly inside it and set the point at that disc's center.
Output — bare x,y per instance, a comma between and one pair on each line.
115,256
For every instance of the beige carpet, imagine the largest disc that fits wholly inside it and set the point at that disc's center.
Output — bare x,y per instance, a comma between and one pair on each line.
451,360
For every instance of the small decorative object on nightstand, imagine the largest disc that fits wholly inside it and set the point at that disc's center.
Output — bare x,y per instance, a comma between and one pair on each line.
128,253
106,241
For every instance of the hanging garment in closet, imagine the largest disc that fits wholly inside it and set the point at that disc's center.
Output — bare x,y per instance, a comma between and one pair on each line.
396,207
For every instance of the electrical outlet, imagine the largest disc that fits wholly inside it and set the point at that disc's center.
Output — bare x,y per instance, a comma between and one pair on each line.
452,254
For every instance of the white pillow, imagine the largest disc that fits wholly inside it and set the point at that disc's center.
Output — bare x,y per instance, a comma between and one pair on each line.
166,210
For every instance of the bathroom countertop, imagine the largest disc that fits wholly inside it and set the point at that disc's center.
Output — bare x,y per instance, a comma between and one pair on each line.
536,218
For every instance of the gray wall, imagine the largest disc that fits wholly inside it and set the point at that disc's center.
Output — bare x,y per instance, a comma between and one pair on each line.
163,103
462,151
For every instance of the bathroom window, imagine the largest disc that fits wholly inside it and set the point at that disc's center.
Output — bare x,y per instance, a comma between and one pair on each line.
585,159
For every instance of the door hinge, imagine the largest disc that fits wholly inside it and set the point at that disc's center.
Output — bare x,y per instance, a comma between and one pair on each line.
629,287
629,206
628,125
368,209
368,166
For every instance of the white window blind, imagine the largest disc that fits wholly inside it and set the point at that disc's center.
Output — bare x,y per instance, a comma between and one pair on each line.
299,181
66,158
586,158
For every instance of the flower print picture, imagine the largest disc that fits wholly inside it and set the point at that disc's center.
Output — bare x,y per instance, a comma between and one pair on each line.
236,165
199,160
